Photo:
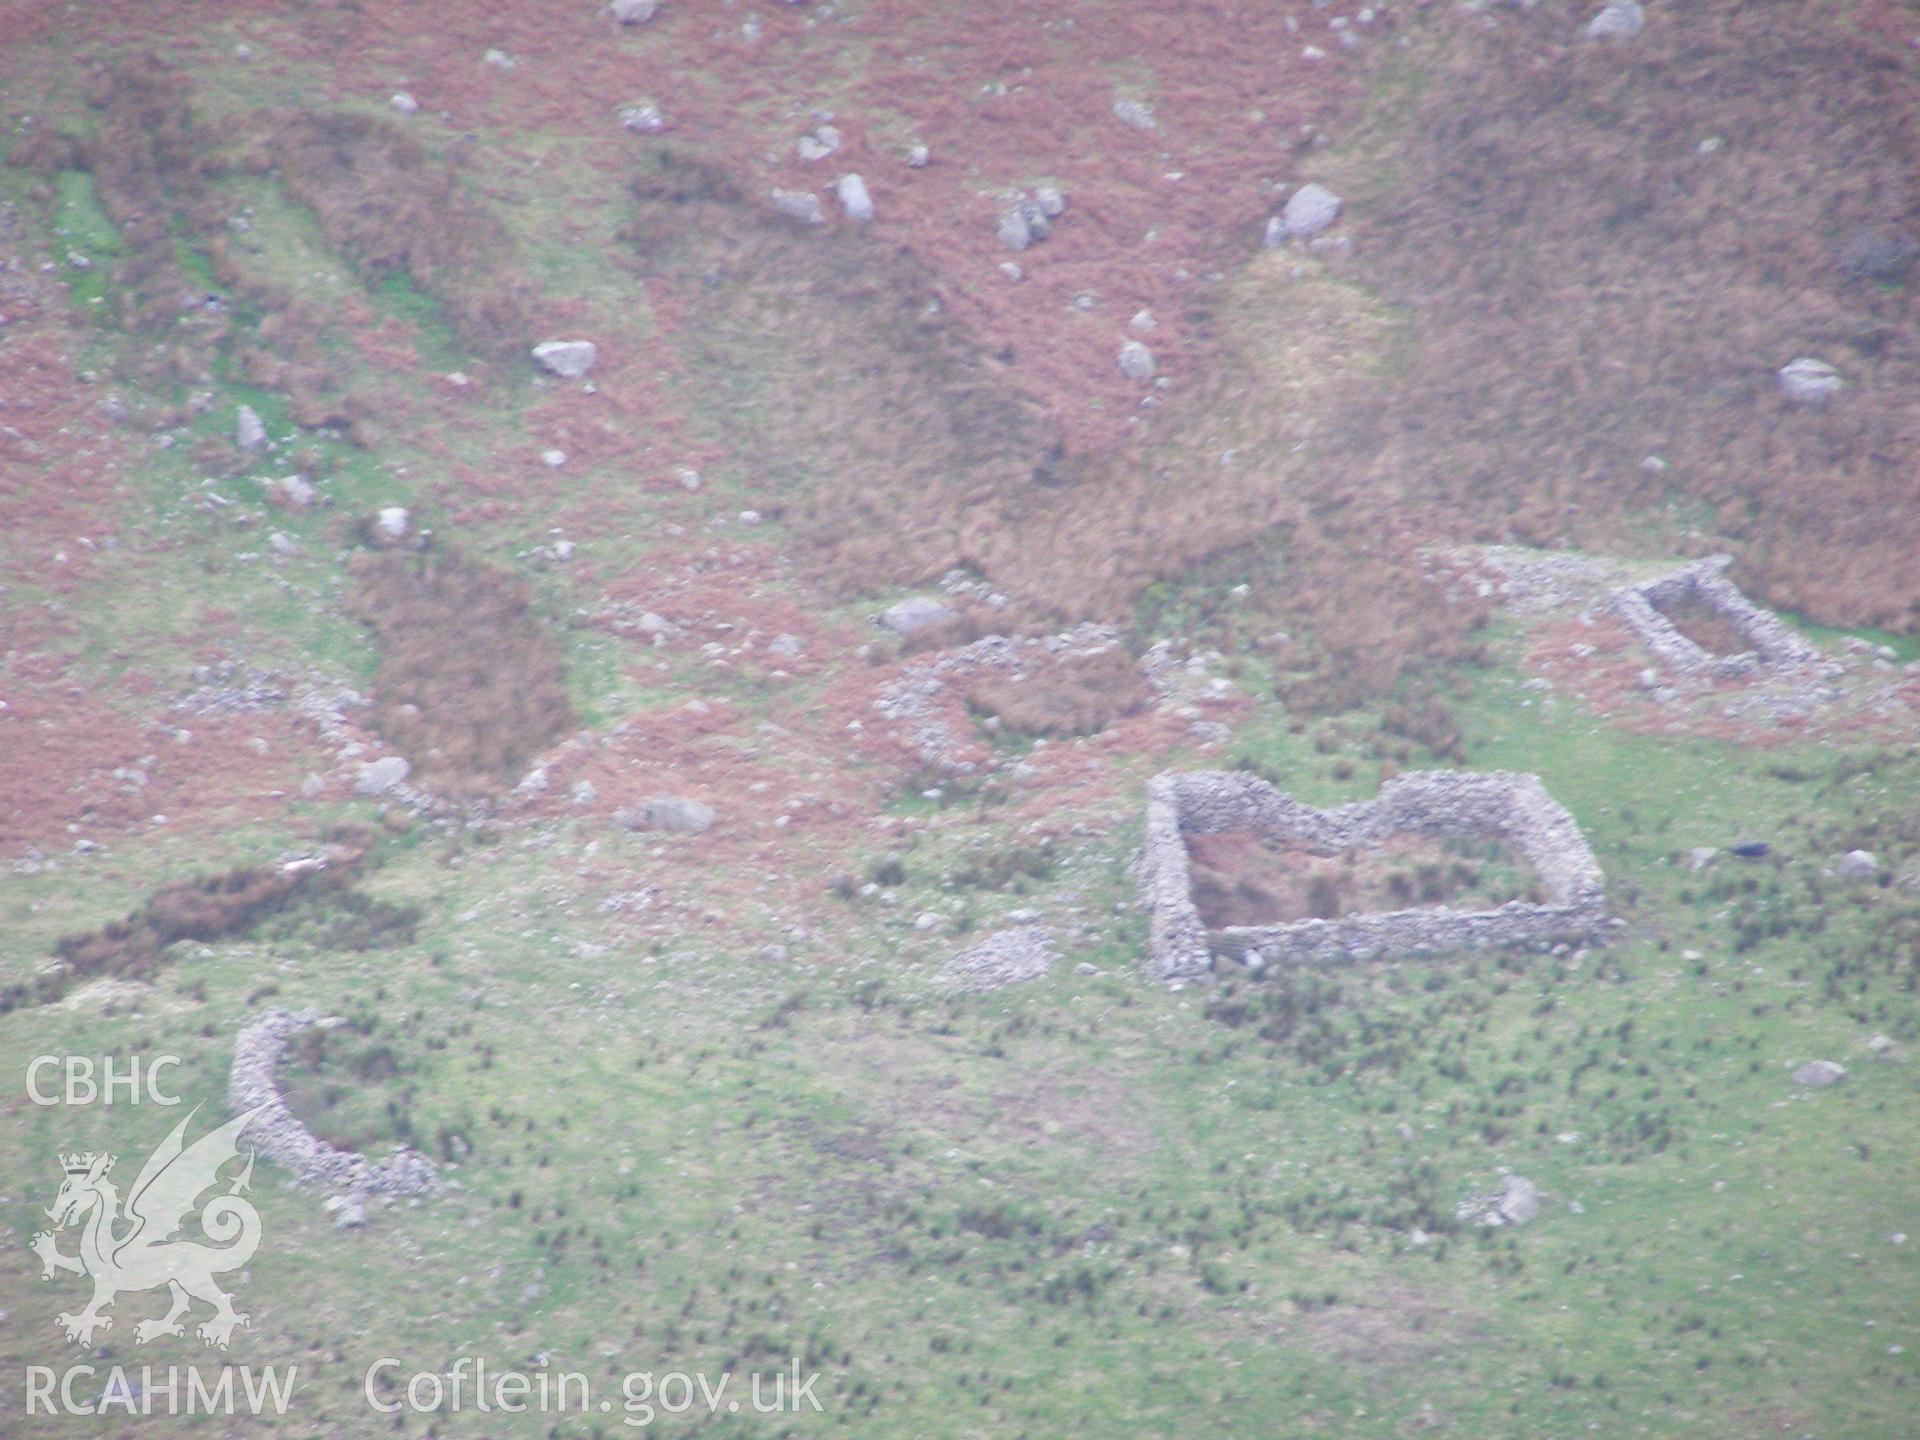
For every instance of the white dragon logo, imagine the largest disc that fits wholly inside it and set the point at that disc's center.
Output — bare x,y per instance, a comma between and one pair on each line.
145,1256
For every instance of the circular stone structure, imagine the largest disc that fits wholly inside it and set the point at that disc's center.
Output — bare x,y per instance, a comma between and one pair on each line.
278,1134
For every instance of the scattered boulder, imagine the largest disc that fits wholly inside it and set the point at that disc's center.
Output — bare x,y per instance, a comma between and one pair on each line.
634,12
1884,256
377,777
919,157
1808,381
569,359
393,521
1134,114
499,59
349,1211
1859,865
1701,856
1309,210
1051,199
1136,361
822,143
672,813
644,116
1014,232
915,613
405,104
553,459
1519,1201
801,205
854,199
1515,1203
1620,20
248,433
1750,849
1819,1073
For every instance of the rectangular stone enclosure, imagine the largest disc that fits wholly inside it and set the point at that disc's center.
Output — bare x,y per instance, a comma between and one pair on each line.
1512,809
1646,608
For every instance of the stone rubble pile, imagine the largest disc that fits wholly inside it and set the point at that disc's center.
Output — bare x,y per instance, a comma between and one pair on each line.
1004,958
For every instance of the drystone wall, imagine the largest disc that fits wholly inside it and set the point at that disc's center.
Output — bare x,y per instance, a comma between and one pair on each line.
278,1135
1511,808
1704,582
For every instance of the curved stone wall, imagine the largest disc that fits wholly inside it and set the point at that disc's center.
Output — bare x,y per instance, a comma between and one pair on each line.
1498,805
277,1134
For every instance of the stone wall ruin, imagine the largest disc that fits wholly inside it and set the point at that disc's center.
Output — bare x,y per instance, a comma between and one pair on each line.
1645,607
276,1133
1512,808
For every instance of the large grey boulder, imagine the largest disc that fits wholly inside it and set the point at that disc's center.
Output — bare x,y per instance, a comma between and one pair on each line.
1136,361
1818,1073
1621,20
1309,210
1859,865
1519,1200
672,813
915,613
1882,255
248,433
569,359
801,205
1014,232
634,12
1051,199
377,777
1808,381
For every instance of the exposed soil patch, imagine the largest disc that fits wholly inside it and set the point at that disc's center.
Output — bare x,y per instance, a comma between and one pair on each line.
1705,626
471,685
1241,879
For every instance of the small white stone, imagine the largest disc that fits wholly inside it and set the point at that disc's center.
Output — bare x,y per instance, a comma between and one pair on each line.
854,199
553,459
1807,381
405,104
